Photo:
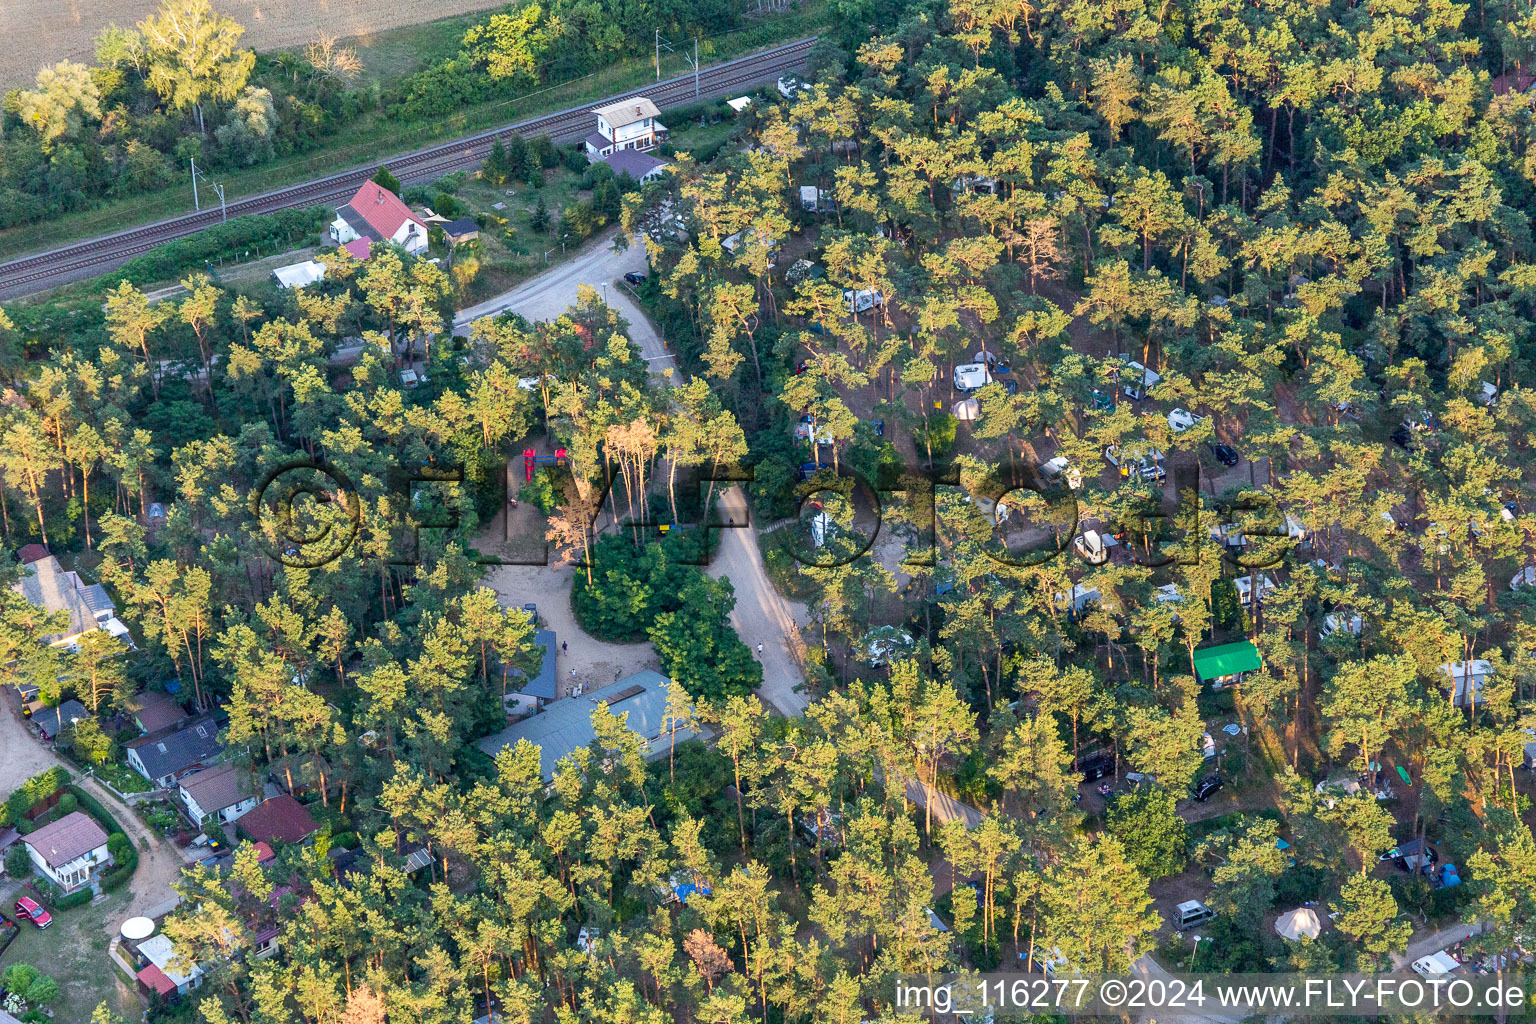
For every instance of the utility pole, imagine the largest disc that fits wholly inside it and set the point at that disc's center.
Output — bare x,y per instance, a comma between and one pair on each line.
695,67
195,204
658,53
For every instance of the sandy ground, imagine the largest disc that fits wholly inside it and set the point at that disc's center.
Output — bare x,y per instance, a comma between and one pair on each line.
39,34
762,615
592,661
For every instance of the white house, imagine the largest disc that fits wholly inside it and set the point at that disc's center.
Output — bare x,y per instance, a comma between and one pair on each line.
47,584
628,124
377,214
1461,674
222,793
69,851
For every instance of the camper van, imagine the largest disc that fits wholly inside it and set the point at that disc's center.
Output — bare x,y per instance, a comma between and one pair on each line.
1136,380
1060,469
971,376
863,300
1193,912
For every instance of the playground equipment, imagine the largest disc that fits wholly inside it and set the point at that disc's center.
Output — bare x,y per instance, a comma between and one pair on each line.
532,460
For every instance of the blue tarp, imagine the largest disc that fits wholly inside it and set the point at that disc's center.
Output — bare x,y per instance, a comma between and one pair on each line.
688,889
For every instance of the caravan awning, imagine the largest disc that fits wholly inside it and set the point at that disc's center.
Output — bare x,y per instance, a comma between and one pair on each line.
1227,660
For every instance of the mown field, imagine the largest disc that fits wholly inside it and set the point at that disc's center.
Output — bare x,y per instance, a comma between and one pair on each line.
36,34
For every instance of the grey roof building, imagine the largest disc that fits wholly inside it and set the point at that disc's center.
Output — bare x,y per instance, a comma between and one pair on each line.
541,685
162,757
52,721
566,725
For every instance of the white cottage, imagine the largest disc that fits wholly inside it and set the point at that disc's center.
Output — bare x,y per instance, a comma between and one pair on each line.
68,852
628,124
222,794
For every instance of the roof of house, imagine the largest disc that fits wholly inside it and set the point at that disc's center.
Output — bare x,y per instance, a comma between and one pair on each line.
53,721
633,163
1512,81
359,248
219,787
1227,660
380,209
599,141
30,553
184,745
541,685
160,951
461,227
62,841
304,769
95,597
636,108
281,817
154,978
566,725
47,584
157,711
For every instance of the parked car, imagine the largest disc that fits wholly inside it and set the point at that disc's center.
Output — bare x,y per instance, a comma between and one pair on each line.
1095,766
28,910
1224,453
533,612
1203,789
634,277
1148,466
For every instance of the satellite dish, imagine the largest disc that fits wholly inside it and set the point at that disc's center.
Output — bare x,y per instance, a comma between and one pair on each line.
136,928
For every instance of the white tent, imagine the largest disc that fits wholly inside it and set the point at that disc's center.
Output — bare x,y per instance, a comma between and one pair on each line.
298,275
1298,924
967,409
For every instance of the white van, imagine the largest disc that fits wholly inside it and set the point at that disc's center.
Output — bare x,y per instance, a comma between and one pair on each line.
863,300
1436,964
1059,467
1193,912
971,377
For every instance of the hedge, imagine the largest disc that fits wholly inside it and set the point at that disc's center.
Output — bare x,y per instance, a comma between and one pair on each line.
267,232
73,900
32,792
117,878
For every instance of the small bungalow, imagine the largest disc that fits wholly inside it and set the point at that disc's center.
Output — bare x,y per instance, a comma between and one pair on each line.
1226,664
300,773
460,231
642,167
218,795
163,757
280,818
533,692
68,852
167,973
155,711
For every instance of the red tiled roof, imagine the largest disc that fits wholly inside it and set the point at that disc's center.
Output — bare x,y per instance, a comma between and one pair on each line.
154,978
1514,81
281,817
359,248
30,553
382,209
263,852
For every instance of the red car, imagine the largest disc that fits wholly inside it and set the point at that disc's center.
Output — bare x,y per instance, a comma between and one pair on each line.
28,910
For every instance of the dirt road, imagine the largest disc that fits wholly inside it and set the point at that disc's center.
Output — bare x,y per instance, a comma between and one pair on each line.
600,267
762,614
24,756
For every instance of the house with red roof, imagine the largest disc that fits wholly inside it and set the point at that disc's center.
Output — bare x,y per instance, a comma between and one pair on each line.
377,214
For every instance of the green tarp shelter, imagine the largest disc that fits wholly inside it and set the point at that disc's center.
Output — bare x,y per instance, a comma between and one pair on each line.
1213,663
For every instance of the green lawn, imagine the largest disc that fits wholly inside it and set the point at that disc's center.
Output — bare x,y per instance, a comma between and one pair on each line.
374,138
390,56
122,778
73,952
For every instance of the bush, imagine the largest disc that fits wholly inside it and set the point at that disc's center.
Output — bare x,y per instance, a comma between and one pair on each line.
119,847
32,792
17,863
73,900
68,804
115,879
344,840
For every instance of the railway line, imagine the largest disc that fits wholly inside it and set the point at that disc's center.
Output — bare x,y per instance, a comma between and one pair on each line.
99,255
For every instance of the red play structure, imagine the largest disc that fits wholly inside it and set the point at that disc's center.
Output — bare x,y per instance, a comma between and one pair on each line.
532,460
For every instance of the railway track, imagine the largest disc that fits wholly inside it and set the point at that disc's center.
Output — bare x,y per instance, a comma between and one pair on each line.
99,255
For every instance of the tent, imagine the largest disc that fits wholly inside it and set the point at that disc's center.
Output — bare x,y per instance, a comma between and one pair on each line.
298,275
1226,663
967,409
1298,924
